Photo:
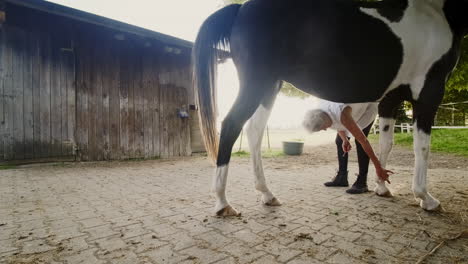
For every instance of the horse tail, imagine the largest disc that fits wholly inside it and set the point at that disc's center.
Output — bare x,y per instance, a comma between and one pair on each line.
212,40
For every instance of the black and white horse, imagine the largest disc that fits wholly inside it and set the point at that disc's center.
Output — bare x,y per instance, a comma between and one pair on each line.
340,50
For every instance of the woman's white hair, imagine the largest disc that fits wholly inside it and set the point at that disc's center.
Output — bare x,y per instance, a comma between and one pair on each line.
314,120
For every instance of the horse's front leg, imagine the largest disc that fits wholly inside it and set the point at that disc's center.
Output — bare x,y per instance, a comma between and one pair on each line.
255,133
386,127
422,142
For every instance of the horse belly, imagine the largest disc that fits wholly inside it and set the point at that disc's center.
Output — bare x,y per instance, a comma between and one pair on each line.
346,62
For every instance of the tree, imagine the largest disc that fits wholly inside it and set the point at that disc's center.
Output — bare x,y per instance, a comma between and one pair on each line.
459,78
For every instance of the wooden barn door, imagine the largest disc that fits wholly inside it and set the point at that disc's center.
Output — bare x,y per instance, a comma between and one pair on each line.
175,131
37,95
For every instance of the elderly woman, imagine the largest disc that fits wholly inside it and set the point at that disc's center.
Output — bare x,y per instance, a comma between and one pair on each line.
348,119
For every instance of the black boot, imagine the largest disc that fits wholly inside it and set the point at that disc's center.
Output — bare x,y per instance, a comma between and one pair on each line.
360,186
340,180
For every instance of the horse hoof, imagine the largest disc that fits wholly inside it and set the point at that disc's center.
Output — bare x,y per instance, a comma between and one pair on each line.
227,211
382,191
273,202
431,205
386,194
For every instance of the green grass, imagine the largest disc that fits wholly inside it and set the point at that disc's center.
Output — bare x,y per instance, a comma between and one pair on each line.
7,167
454,141
265,154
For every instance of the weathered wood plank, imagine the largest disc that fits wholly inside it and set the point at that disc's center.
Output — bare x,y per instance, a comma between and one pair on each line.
138,105
55,100
188,132
36,91
17,132
155,105
82,123
3,66
164,122
113,80
124,104
147,106
105,77
28,121
180,121
67,69
131,102
62,71
45,122
98,100
71,101
92,102
183,136
171,120
179,124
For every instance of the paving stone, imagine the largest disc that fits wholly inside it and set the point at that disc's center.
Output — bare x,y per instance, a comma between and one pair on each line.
164,254
204,255
195,227
7,246
132,231
65,233
242,253
152,212
110,244
150,241
267,259
84,257
100,232
339,258
76,244
304,259
281,252
121,256
34,246
91,222
248,236
215,239
163,230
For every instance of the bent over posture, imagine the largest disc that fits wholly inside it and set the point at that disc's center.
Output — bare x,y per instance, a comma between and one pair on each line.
348,119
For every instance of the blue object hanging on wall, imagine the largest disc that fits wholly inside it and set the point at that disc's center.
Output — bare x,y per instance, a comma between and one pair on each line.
182,113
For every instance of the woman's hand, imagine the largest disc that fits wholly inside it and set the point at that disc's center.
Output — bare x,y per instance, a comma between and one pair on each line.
346,146
383,174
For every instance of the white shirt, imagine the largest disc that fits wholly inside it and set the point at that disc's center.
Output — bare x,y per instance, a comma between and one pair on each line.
362,113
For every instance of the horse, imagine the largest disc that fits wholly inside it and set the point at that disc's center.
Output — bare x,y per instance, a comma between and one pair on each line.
345,51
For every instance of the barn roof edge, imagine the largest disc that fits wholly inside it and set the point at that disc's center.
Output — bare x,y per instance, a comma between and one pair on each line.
87,17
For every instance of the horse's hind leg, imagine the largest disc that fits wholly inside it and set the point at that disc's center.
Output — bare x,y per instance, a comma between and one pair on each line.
252,92
255,131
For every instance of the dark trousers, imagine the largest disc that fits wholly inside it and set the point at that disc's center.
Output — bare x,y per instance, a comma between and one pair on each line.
363,159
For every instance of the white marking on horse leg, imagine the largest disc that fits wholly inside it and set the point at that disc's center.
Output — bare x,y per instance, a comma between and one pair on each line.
222,207
386,127
422,143
255,130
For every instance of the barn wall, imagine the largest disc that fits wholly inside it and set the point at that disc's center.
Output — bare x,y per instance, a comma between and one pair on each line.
37,106
79,86
128,94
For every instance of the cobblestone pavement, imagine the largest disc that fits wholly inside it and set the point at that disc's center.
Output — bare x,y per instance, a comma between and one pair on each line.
160,212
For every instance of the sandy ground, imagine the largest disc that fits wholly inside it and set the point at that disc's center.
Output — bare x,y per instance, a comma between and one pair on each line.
160,211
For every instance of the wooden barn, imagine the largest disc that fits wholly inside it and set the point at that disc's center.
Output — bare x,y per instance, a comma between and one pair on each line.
77,86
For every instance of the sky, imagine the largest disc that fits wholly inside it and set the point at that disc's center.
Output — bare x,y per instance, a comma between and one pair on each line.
182,19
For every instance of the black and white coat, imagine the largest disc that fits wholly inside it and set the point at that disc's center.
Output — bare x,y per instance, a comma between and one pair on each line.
339,50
